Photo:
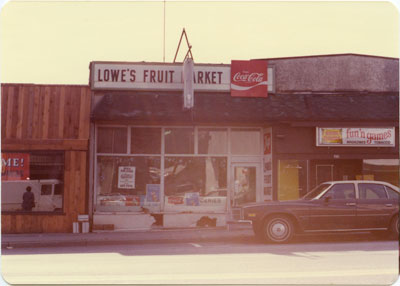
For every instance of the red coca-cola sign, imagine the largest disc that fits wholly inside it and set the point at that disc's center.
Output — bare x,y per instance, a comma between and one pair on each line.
249,78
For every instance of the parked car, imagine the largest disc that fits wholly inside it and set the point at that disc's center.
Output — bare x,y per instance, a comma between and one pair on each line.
338,206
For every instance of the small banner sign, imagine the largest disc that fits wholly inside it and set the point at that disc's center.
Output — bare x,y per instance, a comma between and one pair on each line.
126,177
358,137
14,166
249,78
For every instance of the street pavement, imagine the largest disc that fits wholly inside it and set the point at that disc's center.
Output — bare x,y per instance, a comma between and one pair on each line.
205,256
232,232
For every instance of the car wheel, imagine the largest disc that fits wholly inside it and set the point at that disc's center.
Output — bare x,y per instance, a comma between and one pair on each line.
278,229
394,227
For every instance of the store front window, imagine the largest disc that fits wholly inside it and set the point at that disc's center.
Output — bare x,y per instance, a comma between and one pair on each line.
168,169
179,140
111,140
245,141
145,140
32,181
128,183
204,175
213,141
386,170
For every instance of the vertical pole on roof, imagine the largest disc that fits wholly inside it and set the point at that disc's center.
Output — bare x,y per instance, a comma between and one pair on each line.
164,36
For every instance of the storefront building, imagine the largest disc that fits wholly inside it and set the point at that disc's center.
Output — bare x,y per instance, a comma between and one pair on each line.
156,163
133,150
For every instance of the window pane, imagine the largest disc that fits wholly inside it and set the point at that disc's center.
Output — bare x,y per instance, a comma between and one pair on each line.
245,142
41,171
341,192
372,191
145,140
386,170
245,181
111,140
179,141
206,176
213,141
124,183
392,193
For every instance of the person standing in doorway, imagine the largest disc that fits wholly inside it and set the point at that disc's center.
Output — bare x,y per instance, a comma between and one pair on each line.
28,200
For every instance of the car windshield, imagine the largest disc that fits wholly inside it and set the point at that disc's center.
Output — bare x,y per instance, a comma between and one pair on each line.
316,191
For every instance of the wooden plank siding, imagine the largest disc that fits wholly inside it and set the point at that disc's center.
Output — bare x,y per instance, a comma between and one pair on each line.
49,117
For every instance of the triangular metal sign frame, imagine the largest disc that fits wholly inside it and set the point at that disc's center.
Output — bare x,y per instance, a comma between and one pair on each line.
189,52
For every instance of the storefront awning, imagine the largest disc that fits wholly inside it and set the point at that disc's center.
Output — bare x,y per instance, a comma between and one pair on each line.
154,108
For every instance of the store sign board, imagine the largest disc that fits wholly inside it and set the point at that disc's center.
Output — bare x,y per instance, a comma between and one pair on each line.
357,137
249,78
14,166
146,76
161,76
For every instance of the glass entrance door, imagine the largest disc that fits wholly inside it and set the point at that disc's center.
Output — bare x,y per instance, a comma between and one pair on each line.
246,185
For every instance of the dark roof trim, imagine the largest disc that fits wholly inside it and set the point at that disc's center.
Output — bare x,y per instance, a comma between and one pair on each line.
328,55
224,109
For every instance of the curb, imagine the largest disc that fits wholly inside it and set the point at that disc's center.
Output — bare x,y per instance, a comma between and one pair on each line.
195,235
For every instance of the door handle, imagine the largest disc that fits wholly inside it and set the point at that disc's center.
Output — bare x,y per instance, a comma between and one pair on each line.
388,205
350,204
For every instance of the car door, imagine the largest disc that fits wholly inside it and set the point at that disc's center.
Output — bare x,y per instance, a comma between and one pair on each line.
374,208
335,210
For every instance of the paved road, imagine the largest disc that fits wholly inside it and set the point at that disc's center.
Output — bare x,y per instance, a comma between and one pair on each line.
338,260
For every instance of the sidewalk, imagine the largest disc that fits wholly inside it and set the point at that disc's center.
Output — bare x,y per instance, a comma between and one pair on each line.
231,233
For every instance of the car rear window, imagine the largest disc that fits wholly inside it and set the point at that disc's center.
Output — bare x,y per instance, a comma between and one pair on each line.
392,193
372,191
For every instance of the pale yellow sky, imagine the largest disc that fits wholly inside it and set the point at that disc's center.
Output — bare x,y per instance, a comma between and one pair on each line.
54,42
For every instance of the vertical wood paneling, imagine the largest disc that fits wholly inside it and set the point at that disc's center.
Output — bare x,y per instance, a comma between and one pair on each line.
15,113
31,103
20,109
54,110
10,104
72,188
61,113
4,97
41,113
38,112
67,114
84,198
75,115
82,118
46,113
25,114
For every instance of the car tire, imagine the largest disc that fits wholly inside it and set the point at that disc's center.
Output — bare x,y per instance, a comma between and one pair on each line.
278,229
394,227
